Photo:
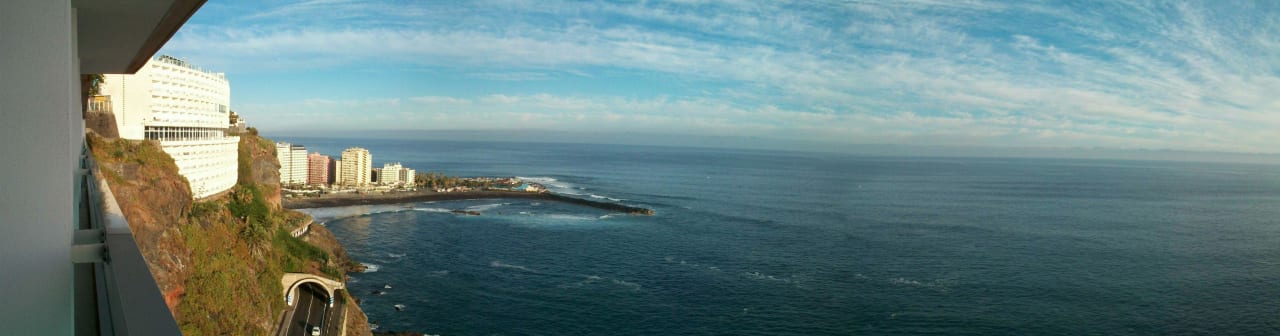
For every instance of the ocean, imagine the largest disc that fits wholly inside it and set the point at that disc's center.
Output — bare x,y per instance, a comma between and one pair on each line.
794,243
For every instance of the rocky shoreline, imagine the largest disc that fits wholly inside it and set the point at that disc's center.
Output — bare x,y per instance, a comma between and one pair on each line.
328,201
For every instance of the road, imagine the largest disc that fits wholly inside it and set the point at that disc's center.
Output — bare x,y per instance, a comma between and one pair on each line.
311,308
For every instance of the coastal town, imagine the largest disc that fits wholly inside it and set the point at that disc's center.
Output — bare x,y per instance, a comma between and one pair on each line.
314,174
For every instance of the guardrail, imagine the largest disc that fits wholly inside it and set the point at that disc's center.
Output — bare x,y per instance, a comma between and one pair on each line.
115,292
302,229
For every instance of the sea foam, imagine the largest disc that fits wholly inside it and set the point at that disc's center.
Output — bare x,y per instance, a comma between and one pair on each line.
328,214
499,264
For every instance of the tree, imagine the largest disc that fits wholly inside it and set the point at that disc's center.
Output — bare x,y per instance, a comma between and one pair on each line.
95,84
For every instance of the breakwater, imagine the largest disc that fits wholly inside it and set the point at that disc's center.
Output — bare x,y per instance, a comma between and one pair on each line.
328,201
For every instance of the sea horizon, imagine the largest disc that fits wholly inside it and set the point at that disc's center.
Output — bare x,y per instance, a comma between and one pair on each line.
872,150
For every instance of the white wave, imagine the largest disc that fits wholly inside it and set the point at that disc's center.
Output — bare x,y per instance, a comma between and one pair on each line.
486,207
592,279
607,197
552,183
327,214
606,216
395,255
432,209
539,179
632,285
370,268
762,276
437,274
569,217
499,264
934,285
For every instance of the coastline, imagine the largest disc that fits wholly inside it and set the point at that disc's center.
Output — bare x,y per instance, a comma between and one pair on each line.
329,201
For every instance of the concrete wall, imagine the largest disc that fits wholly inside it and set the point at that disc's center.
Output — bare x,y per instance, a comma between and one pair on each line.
130,101
41,138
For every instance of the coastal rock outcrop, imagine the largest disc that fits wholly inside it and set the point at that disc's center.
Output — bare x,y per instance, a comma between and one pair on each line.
155,200
258,165
218,260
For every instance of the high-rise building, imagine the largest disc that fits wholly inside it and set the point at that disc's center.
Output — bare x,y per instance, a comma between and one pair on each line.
390,174
185,108
357,164
298,156
337,173
293,163
318,166
407,176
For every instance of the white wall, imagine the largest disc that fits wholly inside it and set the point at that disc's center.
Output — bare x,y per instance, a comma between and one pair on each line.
40,137
130,101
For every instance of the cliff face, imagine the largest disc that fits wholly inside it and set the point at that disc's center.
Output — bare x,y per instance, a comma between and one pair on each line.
258,165
218,261
155,200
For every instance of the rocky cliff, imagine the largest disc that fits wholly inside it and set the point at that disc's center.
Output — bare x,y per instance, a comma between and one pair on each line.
219,260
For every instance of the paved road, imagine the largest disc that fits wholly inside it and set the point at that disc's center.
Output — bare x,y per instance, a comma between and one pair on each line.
311,309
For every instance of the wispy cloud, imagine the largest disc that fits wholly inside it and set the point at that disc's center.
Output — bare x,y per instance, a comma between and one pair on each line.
1184,75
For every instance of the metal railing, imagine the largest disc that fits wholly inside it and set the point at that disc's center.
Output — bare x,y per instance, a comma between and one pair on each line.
115,292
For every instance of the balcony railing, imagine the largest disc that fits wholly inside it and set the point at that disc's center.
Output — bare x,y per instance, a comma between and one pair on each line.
115,293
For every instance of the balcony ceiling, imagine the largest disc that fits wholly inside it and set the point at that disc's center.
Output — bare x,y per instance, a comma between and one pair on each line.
118,36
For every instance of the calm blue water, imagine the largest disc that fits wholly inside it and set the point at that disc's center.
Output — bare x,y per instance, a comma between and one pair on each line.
774,243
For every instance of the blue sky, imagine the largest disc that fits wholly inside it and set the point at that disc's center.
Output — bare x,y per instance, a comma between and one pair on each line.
1119,74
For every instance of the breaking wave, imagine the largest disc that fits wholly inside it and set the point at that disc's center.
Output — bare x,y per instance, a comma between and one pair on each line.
499,264
370,268
486,207
328,214
938,285
572,217
553,184
607,197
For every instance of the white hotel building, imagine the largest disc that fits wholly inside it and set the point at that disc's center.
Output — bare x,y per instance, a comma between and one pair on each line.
185,108
293,163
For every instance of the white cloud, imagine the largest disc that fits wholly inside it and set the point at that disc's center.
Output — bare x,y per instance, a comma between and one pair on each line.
1116,73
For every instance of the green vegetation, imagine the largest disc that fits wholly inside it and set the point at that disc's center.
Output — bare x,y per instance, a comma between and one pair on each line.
240,249
231,284
144,153
222,258
95,84
231,250
434,181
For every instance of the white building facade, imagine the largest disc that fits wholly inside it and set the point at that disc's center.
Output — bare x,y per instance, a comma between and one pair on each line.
391,174
357,165
186,109
407,176
293,163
